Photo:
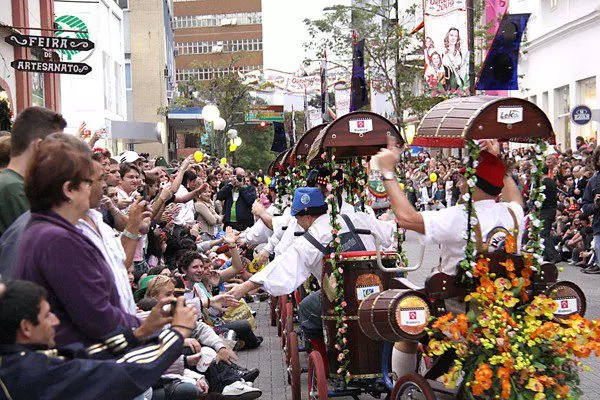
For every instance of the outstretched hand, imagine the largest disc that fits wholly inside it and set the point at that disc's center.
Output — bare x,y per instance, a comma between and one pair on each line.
389,157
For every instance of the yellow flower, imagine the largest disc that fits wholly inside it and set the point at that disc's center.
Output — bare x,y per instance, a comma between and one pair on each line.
534,385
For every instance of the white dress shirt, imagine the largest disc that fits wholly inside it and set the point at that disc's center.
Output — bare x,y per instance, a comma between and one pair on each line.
301,259
112,250
446,228
186,213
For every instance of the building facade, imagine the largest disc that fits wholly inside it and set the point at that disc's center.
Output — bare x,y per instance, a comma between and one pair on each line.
560,66
24,89
150,70
213,37
97,98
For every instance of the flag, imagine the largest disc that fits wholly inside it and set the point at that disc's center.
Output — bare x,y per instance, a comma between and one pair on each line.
359,91
279,142
499,71
324,91
342,101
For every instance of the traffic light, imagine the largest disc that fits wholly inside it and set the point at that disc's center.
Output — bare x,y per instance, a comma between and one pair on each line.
499,71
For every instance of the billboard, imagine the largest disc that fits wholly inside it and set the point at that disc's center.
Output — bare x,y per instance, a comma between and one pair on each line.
446,47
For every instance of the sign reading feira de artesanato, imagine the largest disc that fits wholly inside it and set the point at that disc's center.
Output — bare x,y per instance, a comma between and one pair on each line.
66,24
49,42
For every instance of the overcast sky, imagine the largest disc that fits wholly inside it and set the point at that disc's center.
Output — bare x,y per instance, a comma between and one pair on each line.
284,33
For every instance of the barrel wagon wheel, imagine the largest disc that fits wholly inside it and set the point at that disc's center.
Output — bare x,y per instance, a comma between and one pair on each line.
317,380
294,368
281,320
412,386
273,302
288,326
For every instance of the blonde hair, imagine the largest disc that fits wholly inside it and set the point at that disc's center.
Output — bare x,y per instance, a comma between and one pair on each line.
155,284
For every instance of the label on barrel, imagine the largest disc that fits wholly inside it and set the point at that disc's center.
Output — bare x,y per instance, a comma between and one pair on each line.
364,291
413,317
566,306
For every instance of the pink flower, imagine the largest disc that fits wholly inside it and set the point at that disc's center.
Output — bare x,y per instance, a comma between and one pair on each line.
329,187
344,304
339,371
344,340
342,330
323,155
340,356
338,347
334,284
332,255
338,240
340,270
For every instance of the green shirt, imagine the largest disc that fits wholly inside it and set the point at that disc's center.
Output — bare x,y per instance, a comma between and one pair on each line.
13,202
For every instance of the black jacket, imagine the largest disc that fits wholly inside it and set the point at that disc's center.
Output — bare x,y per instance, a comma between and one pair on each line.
113,369
243,206
588,207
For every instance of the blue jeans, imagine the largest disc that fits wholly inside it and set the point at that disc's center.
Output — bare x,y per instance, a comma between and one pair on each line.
597,248
309,314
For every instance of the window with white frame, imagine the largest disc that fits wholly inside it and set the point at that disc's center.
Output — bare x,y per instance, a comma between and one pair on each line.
183,75
225,46
204,21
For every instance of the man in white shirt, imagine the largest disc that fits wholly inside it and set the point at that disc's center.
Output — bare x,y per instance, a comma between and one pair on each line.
447,227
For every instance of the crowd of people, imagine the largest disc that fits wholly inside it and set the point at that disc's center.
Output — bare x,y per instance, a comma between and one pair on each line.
107,238
111,252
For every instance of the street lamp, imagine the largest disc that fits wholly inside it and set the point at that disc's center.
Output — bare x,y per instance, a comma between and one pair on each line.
219,124
210,113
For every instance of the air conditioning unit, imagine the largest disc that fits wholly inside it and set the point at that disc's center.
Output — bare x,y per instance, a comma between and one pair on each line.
217,49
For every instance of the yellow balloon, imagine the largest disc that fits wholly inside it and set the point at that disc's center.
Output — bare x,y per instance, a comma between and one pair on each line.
259,179
433,177
267,180
232,147
401,185
198,156
223,160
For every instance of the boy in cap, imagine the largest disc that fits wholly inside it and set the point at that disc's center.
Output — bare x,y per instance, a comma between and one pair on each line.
446,227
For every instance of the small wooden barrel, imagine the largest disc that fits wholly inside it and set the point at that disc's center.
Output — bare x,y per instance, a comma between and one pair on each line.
569,299
393,315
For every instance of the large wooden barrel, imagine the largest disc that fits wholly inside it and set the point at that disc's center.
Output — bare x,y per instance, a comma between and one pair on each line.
393,315
361,278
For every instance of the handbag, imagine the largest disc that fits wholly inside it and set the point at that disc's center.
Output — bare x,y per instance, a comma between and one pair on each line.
240,312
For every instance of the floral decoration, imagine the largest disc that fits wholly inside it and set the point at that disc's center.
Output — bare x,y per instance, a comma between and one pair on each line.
339,305
535,246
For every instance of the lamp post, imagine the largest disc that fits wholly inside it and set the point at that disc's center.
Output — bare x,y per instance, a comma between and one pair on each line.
210,113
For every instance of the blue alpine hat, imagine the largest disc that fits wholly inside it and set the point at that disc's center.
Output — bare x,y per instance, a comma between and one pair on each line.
308,200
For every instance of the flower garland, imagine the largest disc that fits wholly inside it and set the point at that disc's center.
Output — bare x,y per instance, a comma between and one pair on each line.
535,245
511,348
339,305
465,275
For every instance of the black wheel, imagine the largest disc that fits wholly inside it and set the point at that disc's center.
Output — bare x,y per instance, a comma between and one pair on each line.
317,381
294,368
412,387
273,311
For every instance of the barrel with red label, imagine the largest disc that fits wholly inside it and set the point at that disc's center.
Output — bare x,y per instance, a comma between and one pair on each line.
362,278
394,315
569,299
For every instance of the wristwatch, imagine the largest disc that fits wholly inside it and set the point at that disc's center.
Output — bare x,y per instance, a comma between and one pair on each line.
389,176
131,236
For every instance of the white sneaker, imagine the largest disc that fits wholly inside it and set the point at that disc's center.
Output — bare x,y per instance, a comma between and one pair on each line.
242,391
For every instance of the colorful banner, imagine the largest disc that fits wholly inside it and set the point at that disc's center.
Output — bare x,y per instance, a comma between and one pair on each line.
270,79
446,47
342,100
314,118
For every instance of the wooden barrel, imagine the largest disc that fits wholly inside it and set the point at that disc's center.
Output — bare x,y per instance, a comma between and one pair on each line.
569,298
393,315
361,278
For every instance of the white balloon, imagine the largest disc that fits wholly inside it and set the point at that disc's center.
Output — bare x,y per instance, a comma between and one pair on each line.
210,113
237,141
219,124
232,133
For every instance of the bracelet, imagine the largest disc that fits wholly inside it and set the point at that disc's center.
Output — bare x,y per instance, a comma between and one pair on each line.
130,235
181,326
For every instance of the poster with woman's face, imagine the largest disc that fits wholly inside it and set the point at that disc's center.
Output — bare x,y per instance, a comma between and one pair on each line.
446,47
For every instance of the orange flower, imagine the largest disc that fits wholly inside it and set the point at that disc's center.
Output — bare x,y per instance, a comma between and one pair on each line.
509,265
482,380
442,321
481,268
510,244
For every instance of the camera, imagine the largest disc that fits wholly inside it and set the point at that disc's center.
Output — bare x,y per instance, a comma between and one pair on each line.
239,178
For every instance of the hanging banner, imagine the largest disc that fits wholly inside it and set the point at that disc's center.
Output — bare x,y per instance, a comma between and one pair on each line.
342,101
446,47
314,118
270,79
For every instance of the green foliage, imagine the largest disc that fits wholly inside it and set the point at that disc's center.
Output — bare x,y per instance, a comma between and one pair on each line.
255,152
